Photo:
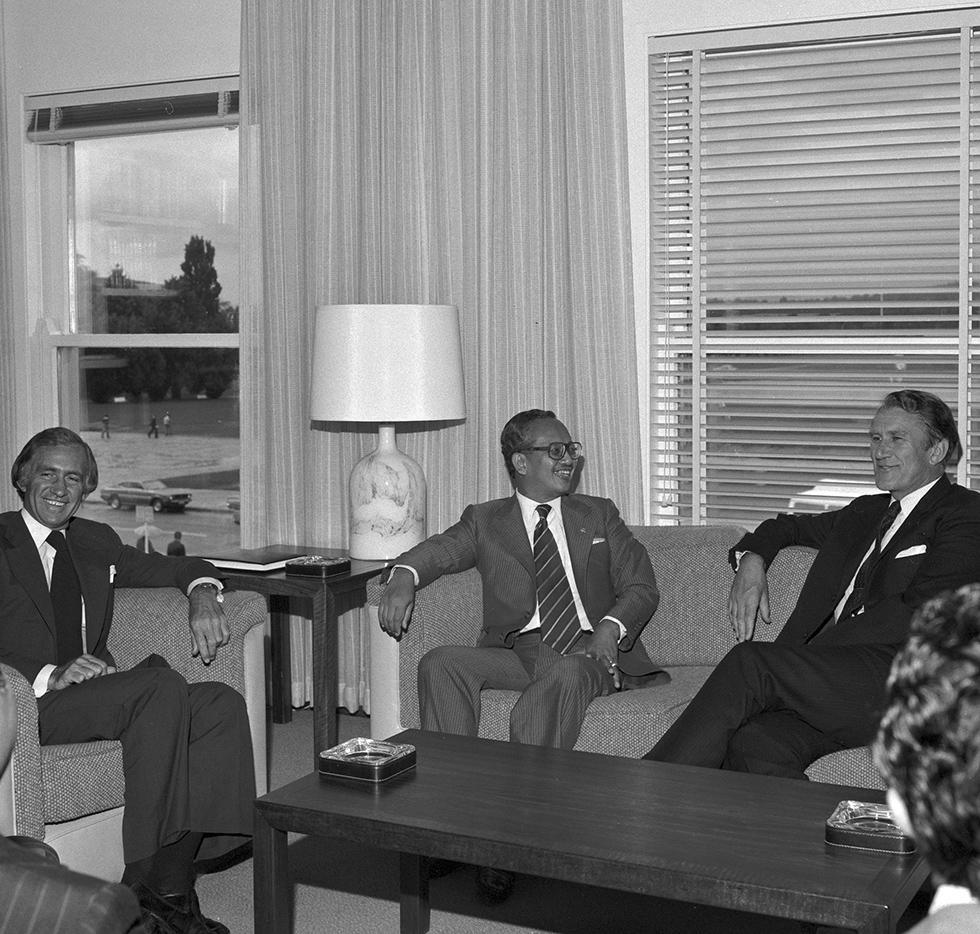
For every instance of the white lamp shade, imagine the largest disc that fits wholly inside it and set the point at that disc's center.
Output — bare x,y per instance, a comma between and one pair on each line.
387,363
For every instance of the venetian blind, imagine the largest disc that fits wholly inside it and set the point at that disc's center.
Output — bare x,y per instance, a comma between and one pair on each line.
811,236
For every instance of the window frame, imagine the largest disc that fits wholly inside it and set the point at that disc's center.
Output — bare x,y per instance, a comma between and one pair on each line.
49,171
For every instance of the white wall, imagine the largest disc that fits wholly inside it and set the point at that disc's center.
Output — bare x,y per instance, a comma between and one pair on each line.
57,45
645,18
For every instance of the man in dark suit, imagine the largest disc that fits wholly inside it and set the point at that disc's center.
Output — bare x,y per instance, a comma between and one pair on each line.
560,652
774,708
186,747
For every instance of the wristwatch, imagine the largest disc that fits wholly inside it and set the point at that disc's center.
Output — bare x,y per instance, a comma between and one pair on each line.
218,595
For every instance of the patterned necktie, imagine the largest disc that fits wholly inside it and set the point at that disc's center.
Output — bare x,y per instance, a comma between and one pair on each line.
66,596
556,606
856,600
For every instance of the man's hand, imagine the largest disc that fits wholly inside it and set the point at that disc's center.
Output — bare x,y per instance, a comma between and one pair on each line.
603,646
209,626
749,597
397,603
83,668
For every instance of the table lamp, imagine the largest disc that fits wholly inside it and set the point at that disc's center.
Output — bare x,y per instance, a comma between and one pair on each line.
386,364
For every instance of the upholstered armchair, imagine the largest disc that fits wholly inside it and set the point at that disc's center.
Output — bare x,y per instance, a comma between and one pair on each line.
71,796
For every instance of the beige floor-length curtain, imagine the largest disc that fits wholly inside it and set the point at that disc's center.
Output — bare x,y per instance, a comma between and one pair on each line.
466,152
9,396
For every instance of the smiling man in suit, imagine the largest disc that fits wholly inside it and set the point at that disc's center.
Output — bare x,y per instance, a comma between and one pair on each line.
187,757
773,708
567,590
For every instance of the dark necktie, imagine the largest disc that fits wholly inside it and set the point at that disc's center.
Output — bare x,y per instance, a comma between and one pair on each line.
556,606
66,596
856,600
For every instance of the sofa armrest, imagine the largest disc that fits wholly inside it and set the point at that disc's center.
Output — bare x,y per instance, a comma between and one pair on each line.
148,620
154,620
449,611
21,791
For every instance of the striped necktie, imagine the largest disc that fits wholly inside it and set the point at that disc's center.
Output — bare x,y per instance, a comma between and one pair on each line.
556,607
66,597
856,600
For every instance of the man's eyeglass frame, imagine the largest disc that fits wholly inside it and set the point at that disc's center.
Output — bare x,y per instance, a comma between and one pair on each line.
556,450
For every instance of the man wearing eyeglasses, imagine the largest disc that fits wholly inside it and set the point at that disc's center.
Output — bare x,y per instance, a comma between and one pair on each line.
567,590
560,645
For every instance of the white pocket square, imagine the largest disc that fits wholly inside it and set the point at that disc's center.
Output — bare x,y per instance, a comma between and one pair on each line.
597,541
914,550
112,573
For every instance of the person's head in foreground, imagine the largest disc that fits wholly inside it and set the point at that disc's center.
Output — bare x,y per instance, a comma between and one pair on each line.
928,745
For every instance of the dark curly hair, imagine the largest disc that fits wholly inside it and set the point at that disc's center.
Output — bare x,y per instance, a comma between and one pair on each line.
54,438
928,745
514,437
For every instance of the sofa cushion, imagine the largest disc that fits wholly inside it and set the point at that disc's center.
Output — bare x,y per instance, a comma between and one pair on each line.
627,723
691,625
848,767
81,778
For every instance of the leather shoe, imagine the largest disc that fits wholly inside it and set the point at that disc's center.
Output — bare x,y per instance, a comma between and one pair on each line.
174,914
494,886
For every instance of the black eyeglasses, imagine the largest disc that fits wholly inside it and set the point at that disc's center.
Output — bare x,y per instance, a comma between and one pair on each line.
556,450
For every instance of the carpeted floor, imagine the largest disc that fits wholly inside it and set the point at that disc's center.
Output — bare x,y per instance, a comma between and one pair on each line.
349,889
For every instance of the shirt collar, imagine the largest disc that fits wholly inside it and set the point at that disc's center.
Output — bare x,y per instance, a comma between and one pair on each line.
35,529
910,500
529,508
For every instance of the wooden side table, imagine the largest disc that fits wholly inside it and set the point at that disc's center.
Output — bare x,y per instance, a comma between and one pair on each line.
330,597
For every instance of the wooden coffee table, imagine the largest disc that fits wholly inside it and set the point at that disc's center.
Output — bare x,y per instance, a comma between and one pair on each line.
745,842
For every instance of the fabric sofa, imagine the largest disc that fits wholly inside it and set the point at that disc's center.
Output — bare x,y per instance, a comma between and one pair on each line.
688,636
72,795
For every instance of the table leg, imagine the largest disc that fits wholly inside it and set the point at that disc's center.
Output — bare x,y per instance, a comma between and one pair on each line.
281,674
325,672
414,900
270,877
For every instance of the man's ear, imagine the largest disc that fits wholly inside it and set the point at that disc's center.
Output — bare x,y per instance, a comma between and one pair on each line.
899,811
519,463
938,451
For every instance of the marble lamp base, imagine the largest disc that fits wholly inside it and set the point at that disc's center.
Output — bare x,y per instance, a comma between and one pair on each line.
387,501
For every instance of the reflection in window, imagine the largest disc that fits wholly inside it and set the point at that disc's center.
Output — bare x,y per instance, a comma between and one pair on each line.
156,232
177,443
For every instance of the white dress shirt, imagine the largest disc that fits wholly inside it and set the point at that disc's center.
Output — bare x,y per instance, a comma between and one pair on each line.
530,515
907,503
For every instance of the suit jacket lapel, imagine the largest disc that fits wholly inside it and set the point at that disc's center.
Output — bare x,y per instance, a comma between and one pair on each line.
25,565
513,536
925,506
580,528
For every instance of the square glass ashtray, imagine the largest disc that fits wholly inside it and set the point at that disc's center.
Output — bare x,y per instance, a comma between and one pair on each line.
867,826
366,760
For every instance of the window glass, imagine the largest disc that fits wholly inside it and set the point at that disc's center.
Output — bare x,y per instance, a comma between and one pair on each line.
156,232
156,253
813,224
168,463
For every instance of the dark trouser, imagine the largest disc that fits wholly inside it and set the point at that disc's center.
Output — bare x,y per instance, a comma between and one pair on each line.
187,751
773,709
555,689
